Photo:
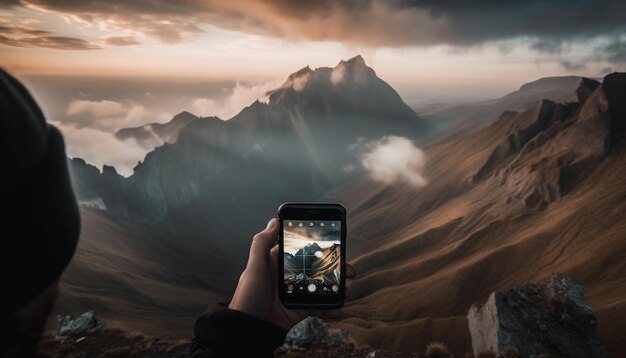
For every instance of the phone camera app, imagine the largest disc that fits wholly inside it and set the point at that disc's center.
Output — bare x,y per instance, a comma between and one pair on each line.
312,260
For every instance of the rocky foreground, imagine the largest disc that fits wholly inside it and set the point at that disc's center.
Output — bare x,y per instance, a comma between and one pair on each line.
111,343
549,319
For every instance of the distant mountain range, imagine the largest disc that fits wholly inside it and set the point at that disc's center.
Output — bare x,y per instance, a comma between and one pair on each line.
292,148
457,119
518,187
201,197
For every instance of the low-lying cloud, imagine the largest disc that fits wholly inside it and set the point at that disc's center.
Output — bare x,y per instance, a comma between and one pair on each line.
338,73
392,159
104,115
90,109
100,148
242,95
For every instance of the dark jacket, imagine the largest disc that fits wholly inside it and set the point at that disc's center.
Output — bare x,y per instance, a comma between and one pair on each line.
222,332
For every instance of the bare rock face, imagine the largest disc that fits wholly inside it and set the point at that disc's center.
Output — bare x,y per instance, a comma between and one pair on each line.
551,318
586,88
553,147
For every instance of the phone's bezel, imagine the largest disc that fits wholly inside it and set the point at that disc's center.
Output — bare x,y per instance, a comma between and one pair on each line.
312,211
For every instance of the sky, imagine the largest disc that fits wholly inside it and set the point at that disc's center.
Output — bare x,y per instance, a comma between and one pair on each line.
99,66
298,237
492,42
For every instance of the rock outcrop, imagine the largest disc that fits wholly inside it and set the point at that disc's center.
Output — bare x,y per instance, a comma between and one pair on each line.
86,323
551,318
552,147
303,334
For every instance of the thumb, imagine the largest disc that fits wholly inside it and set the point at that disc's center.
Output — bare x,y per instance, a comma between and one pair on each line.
263,242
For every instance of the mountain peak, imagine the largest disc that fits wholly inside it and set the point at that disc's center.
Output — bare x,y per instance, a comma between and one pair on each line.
309,249
356,61
353,70
184,116
301,72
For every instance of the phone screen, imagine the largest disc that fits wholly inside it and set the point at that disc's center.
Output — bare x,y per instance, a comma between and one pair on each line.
312,257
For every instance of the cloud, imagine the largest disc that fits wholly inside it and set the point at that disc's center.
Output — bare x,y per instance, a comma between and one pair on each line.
100,148
573,66
605,71
299,82
55,42
615,52
165,21
390,23
9,3
20,36
336,76
549,46
104,115
121,41
242,95
393,159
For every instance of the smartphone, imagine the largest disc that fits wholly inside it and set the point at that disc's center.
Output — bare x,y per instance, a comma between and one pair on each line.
312,264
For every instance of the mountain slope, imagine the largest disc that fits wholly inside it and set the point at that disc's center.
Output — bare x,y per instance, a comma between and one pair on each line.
456,120
137,279
534,192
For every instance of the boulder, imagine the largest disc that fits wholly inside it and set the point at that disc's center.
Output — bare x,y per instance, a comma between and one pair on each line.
551,318
305,333
86,323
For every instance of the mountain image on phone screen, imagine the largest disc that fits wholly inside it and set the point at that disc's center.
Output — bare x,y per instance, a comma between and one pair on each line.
312,257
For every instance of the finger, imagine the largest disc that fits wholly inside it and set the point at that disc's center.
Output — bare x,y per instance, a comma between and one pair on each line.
264,240
350,271
274,256
327,314
348,293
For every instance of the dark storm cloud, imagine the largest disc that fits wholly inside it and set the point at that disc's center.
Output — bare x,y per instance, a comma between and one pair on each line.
549,46
615,52
364,22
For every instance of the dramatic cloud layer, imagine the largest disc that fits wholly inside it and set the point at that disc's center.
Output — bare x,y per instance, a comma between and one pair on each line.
21,36
361,22
394,159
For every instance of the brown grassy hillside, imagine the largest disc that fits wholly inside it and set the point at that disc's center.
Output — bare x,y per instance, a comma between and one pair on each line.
555,202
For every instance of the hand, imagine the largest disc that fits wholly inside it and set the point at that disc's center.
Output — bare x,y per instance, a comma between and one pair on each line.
257,290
